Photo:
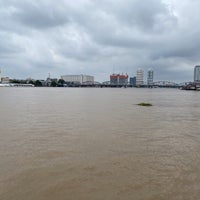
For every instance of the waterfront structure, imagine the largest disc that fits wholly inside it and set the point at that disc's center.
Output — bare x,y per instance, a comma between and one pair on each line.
5,80
197,73
118,79
139,77
191,86
78,79
132,81
150,77
15,85
49,81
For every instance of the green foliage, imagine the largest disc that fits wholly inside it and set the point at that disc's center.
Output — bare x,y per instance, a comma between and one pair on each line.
38,83
61,83
31,82
53,84
18,81
14,81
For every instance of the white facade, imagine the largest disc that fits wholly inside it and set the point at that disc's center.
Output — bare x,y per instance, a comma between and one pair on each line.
197,73
5,80
78,78
0,75
150,77
87,78
139,77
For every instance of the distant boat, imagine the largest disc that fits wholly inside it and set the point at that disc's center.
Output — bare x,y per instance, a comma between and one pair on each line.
198,88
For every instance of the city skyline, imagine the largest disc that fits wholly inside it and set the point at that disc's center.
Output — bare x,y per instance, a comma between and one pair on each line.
97,38
141,77
116,80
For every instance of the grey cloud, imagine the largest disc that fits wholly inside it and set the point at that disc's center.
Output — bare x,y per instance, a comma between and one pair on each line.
9,46
91,36
126,24
182,45
144,14
152,15
39,15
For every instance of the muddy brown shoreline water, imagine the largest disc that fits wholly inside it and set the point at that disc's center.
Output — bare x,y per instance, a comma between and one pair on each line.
96,143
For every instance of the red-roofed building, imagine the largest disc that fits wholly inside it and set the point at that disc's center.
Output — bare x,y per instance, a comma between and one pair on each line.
118,79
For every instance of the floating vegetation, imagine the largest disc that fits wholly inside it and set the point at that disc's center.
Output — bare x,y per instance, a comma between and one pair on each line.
144,104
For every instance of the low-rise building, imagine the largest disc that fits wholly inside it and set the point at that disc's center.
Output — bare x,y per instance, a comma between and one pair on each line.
78,79
5,80
49,81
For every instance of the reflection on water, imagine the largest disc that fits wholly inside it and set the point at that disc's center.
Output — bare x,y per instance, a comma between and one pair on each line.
94,144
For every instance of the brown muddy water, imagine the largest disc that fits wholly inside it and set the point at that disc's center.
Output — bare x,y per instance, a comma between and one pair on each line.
97,144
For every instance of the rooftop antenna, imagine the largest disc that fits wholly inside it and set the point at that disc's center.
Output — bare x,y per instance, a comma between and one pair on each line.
49,75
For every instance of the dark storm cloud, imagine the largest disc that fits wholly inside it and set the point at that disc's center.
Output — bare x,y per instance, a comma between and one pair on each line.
97,37
40,15
145,15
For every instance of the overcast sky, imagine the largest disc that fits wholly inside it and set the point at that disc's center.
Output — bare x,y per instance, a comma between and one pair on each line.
99,37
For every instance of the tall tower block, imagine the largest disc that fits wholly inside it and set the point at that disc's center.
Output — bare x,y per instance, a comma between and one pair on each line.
197,73
139,77
150,77
0,75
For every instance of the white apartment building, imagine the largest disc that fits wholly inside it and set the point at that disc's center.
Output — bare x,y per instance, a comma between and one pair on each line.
78,78
139,77
197,73
0,75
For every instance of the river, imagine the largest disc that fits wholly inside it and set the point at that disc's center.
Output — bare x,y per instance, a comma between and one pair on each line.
98,144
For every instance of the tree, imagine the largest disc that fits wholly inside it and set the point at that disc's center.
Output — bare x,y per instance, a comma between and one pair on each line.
53,84
31,82
38,83
14,81
61,82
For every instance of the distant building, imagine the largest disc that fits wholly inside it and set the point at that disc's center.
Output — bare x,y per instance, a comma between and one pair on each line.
150,77
79,79
197,73
28,80
118,79
49,81
132,80
43,82
5,80
139,77
0,75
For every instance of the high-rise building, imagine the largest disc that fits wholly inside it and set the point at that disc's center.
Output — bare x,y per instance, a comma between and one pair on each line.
197,73
133,80
150,77
79,79
0,75
139,77
118,79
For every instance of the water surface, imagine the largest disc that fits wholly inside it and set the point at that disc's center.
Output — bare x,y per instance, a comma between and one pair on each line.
96,143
